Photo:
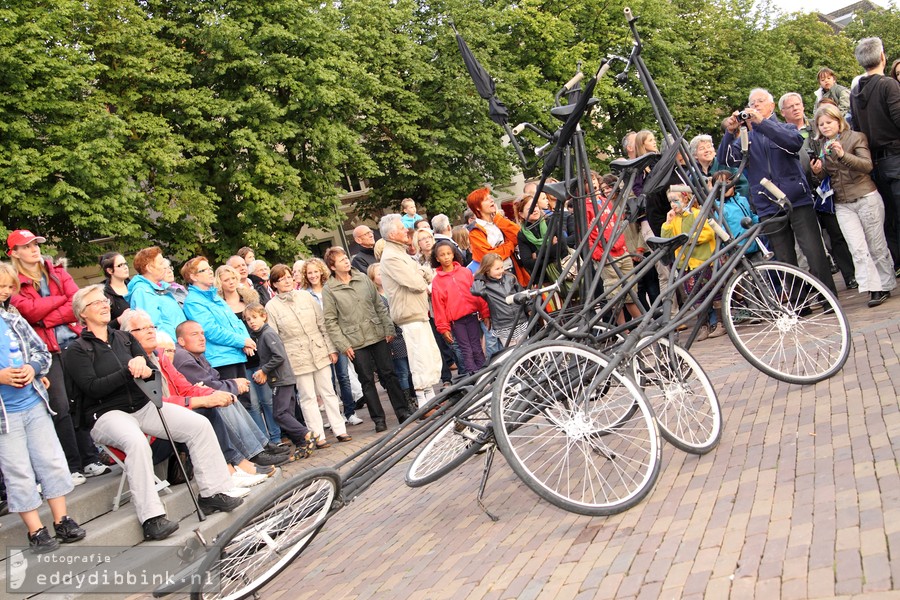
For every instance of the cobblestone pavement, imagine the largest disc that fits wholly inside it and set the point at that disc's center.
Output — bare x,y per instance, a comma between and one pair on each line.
799,500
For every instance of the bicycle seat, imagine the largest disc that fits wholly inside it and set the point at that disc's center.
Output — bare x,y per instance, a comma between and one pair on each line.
621,165
668,246
557,190
562,112
661,243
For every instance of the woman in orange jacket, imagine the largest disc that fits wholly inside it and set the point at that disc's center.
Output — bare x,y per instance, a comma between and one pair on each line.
493,232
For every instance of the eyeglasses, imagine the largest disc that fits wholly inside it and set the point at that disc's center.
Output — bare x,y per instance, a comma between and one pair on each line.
169,350
147,328
120,265
105,301
206,270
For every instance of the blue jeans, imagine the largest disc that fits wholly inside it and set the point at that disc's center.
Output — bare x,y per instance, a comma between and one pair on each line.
248,439
261,407
491,343
401,368
31,452
340,378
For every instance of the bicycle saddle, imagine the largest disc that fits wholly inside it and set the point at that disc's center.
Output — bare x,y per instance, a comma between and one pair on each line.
620,165
557,190
562,112
668,246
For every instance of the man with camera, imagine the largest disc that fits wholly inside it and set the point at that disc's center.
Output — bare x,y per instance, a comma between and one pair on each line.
774,154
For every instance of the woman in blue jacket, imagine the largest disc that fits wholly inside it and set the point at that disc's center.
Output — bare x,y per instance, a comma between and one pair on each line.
149,292
227,341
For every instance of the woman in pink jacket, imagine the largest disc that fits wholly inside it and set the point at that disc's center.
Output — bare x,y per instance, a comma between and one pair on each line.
456,310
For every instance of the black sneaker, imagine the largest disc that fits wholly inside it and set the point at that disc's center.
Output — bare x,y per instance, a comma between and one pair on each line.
158,528
265,459
276,449
40,542
68,531
219,502
877,298
380,426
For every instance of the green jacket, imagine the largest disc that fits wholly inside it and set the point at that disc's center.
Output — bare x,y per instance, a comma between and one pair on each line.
355,316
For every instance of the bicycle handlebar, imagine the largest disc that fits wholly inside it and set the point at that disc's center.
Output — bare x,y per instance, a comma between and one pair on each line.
574,81
527,295
779,197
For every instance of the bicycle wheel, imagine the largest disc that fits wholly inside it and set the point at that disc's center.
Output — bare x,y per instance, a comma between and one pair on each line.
271,534
452,445
683,399
560,428
786,323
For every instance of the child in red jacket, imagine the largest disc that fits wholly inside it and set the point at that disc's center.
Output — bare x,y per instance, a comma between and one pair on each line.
456,310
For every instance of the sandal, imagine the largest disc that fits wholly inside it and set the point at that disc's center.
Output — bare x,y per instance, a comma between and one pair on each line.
344,438
322,444
306,447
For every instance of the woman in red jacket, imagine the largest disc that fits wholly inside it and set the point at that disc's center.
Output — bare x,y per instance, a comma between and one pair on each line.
456,310
45,300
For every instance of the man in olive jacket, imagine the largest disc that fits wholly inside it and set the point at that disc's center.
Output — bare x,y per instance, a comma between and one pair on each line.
360,327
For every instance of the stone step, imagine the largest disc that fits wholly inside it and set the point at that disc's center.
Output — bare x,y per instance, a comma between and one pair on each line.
91,505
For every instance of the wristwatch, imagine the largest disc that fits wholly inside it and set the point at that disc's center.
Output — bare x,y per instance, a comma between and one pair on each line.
187,401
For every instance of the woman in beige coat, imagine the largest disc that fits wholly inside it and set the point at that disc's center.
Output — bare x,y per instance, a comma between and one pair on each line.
297,318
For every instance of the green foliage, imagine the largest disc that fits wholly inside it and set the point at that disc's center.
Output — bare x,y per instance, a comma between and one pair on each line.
884,24
205,125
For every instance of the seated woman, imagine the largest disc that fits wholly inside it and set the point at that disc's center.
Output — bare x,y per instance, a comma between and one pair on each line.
101,368
148,291
29,448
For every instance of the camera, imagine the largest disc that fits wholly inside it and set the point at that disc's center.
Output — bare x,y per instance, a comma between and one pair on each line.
743,116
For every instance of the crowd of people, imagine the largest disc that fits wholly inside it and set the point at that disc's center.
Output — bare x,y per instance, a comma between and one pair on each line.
249,356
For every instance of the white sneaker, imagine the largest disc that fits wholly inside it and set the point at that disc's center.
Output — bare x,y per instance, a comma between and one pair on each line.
354,420
95,469
237,492
78,479
241,479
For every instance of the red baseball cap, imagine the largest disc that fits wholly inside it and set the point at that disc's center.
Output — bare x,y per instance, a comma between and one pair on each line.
20,237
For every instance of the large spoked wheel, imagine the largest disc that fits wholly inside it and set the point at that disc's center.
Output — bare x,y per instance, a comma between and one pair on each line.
453,444
560,427
786,323
683,399
271,534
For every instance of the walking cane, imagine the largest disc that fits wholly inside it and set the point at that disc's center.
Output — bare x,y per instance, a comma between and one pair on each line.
152,388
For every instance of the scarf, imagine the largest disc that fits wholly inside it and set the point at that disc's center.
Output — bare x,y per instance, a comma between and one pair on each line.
527,231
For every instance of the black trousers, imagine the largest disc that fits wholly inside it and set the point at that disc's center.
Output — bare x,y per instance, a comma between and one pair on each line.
377,358
802,226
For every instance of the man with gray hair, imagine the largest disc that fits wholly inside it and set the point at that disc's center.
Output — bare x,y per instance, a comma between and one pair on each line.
628,144
440,225
774,155
406,286
875,105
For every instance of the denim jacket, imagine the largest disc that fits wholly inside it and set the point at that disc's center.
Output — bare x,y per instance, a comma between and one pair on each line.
34,353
